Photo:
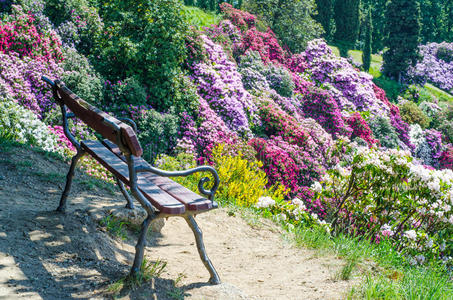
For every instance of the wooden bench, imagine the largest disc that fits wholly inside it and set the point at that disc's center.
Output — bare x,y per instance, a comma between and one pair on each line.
120,153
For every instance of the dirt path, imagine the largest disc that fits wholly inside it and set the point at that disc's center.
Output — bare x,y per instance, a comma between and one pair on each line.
47,255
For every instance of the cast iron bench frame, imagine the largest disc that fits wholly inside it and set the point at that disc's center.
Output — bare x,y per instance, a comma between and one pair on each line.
120,153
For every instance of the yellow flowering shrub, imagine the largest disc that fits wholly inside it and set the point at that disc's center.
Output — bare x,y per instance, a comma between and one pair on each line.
242,181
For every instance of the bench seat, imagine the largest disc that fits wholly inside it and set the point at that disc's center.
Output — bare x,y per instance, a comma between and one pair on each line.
166,195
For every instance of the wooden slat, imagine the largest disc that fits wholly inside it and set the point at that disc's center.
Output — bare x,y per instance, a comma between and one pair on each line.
191,200
163,201
94,118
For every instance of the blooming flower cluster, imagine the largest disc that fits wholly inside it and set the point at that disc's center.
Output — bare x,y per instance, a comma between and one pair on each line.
357,87
435,67
19,34
220,84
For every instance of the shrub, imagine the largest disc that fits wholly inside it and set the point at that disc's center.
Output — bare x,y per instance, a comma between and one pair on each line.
19,34
360,129
446,159
80,76
319,105
381,194
158,132
242,181
412,114
253,72
446,127
384,132
430,150
146,39
22,79
122,93
20,124
445,53
280,80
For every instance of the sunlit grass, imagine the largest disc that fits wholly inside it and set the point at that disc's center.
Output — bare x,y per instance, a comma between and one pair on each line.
200,18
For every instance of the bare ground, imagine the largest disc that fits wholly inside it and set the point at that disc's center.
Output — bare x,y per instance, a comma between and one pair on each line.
48,255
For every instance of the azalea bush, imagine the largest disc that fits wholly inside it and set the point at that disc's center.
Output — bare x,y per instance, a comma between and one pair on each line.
381,194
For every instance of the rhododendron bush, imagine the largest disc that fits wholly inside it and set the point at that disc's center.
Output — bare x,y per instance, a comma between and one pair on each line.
382,194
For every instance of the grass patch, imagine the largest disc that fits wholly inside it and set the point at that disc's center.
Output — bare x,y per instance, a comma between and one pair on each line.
115,226
200,18
148,270
441,95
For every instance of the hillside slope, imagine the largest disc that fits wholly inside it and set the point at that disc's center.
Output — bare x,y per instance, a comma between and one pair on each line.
44,254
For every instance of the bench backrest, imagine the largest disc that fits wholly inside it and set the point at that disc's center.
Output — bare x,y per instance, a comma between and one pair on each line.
94,118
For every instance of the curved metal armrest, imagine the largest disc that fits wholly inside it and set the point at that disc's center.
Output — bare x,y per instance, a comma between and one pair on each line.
210,193
130,121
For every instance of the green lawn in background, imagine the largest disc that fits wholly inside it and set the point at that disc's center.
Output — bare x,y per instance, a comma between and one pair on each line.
200,18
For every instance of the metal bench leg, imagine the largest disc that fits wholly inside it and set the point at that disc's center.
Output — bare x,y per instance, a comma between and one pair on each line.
140,247
64,196
215,279
130,203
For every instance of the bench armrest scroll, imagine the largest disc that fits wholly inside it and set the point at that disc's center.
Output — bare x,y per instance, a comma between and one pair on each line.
130,121
210,193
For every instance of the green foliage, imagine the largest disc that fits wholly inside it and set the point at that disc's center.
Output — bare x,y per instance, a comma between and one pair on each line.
280,80
384,132
129,91
158,132
80,76
79,19
347,24
199,18
291,20
444,53
146,39
412,114
366,56
403,27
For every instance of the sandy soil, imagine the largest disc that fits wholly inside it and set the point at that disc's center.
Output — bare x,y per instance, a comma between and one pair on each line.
48,255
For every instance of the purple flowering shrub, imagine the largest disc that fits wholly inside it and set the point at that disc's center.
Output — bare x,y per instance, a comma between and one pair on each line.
220,84
22,80
357,87
430,151
446,159
435,67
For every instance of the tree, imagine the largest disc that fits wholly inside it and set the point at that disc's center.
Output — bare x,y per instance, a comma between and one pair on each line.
347,24
403,27
325,17
366,56
202,4
431,21
291,20
189,2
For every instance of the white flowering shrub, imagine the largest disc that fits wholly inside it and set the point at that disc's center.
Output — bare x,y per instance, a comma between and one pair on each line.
19,124
382,194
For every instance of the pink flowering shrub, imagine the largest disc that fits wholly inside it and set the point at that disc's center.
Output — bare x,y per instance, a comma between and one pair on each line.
278,123
360,129
239,18
319,105
265,43
19,34
401,127
446,158
296,63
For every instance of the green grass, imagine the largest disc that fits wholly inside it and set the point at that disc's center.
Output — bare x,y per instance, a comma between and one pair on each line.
115,226
200,18
387,273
